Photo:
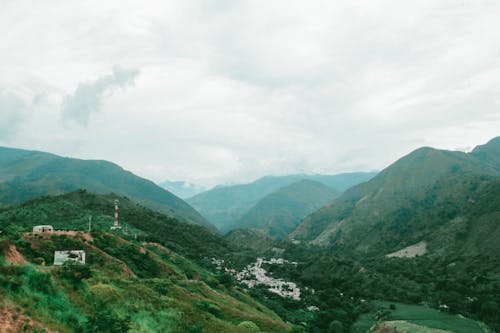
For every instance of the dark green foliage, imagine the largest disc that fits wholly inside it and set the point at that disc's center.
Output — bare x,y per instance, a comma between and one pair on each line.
31,174
449,199
210,308
142,264
278,213
225,204
107,321
75,272
71,211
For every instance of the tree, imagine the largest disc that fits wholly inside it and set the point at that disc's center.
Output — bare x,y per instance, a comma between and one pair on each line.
336,327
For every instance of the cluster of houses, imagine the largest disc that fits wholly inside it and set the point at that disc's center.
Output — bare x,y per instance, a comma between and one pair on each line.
60,257
254,274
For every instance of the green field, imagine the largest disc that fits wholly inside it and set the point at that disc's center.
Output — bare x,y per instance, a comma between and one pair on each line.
420,315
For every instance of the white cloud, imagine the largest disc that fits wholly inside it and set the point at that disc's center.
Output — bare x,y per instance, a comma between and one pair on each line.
88,96
239,89
11,111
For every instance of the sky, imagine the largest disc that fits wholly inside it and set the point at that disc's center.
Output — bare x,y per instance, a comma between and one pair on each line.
219,91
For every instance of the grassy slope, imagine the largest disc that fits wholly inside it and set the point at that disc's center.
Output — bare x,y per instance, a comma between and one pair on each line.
420,315
407,202
279,212
28,174
166,292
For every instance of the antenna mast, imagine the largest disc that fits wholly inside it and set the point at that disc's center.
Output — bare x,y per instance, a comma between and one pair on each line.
115,224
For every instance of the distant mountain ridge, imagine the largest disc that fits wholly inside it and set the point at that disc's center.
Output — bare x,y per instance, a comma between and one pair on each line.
278,213
182,189
26,174
225,204
428,195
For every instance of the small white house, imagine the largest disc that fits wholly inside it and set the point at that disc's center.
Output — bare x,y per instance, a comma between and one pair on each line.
60,257
38,229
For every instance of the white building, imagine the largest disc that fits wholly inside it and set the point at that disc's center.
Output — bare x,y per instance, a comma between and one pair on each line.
60,257
38,229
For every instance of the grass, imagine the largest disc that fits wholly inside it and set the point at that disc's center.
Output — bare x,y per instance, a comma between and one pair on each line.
168,293
420,315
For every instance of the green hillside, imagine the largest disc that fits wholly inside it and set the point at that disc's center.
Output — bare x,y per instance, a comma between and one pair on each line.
28,174
226,204
151,279
428,195
71,211
254,239
279,212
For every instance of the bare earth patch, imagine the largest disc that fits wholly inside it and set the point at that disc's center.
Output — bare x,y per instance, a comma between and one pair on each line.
13,256
410,251
401,326
11,321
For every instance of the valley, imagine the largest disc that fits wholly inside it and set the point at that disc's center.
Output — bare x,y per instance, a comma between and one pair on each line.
413,248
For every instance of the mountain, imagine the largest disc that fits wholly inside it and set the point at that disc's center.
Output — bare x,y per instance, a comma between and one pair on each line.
254,239
28,174
279,213
182,189
225,204
448,199
154,278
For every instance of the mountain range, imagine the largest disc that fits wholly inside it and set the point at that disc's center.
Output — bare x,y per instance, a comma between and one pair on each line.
182,189
223,206
422,231
279,213
450,200
26,174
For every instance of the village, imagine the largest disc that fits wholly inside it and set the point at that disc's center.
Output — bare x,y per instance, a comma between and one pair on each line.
254,274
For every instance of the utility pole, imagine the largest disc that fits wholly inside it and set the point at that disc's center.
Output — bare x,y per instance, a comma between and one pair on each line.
90,223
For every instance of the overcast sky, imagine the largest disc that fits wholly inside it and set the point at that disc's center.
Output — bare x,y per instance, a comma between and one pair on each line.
227,91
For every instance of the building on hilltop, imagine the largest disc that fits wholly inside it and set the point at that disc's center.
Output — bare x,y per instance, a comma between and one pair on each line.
38,229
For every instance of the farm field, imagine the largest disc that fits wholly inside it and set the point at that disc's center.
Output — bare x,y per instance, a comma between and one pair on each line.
421,316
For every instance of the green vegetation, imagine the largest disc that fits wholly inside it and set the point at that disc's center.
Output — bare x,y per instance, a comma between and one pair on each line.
225,204
420,315
278,213
126,285
27,174
71,212
442,197
158,275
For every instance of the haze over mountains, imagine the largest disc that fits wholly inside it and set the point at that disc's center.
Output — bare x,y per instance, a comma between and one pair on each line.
225,205
442,205
182,189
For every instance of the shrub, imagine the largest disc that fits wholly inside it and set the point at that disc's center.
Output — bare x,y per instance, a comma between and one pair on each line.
75,272
249,326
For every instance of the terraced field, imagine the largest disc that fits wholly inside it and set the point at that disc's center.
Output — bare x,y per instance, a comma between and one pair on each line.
416,319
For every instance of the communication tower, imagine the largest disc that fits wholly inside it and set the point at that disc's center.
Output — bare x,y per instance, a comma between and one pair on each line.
115,223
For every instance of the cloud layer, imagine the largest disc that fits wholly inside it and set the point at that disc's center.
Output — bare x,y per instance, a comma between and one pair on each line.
11,108
88,96
231,91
